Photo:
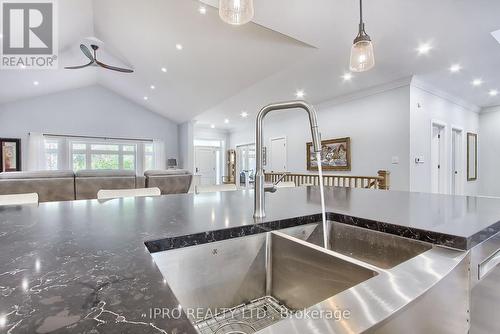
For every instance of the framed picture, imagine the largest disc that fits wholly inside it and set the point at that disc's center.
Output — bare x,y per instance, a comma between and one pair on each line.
335,155
10,157
471,157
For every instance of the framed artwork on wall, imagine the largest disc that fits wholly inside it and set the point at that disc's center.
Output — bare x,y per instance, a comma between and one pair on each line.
471,157
335,155
10,157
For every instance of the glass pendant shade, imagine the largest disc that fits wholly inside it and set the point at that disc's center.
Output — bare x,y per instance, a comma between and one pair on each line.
236,12
362,56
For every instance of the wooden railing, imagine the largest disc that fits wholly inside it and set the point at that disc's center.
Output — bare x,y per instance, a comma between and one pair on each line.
382,181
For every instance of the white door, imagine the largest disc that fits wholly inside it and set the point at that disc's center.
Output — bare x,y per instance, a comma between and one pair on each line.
278,155
437,159
206,161
456,162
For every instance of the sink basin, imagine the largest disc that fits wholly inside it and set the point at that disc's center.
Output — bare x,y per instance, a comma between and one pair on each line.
376,248
268,271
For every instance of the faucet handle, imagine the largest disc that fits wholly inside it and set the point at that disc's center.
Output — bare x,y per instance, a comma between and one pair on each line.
270,188
281,178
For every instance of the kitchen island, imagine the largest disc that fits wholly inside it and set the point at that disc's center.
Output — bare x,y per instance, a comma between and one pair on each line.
84,267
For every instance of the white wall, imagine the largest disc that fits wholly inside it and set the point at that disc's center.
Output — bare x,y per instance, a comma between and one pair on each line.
426,107
489,148
186,149
378,125
90,111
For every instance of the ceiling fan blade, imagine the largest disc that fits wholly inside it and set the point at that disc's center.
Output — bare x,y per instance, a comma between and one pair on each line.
124,70
78,67
86,52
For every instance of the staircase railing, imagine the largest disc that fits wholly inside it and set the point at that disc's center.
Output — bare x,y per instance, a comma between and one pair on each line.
381,181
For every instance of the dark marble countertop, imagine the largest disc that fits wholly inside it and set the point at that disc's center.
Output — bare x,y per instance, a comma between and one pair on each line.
82,266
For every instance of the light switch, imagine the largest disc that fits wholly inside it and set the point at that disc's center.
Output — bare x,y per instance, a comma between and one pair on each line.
395,160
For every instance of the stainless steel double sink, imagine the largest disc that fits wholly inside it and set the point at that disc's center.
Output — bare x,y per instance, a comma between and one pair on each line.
222,286
376,248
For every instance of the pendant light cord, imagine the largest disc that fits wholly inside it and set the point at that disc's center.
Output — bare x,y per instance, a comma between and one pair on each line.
360,11
362,35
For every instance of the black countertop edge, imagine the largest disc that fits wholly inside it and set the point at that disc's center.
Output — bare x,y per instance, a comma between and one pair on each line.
437,238
440,239
160,245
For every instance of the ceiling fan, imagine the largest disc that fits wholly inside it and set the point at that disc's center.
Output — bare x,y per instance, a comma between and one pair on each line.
94,61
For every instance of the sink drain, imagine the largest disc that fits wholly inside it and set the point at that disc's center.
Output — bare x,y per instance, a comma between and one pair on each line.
238,327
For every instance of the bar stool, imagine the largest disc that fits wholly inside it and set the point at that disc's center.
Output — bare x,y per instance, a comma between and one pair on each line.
121,193
19,199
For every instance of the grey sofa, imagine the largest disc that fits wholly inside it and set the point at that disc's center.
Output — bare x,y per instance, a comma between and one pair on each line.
89,182
50,186
171,181
53,186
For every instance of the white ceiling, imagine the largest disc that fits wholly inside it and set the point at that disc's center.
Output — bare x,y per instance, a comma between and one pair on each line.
217,61
459,31
293,44
75,23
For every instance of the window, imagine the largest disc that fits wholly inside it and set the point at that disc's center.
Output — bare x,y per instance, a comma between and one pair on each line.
51,154
90,153
207,143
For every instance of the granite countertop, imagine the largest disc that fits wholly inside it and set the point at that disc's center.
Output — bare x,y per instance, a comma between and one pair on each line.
83,267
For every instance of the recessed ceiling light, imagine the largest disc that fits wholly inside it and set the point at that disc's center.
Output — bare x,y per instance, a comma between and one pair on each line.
300,94
477,82
202,10
226,121
244,114
1,36
146,98
347,77
36,83
424,48
179,46
153,87
493,92
455,68
164,69
212,126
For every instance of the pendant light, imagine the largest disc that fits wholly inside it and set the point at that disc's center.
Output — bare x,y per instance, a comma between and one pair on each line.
362,56
236,12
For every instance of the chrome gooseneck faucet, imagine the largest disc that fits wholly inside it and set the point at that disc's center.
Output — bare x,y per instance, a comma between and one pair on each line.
260,211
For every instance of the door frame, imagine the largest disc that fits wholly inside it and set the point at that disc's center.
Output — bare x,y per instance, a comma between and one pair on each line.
461,160
220,165
238,164
214,149
270,153
443,187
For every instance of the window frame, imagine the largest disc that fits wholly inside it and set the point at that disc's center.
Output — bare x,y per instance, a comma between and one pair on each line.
49,151
89,152
65,152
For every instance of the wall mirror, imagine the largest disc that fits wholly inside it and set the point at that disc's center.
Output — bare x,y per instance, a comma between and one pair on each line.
471,156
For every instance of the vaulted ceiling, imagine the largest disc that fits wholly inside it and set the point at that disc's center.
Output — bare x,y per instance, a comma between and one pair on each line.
459,32
291,45
217,60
